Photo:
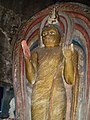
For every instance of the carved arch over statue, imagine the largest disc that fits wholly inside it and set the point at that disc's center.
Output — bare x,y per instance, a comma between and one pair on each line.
74,21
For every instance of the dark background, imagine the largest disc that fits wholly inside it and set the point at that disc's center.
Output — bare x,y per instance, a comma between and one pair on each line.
26,8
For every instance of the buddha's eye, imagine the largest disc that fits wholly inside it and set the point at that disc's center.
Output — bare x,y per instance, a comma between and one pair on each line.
52,32
44,33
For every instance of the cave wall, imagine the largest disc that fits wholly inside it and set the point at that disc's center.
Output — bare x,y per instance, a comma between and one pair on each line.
26,8
5,59
9,24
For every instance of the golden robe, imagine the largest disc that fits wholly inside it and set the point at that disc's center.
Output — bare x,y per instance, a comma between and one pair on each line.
49,95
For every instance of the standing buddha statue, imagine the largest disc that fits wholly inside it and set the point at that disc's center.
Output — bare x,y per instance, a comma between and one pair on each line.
46,69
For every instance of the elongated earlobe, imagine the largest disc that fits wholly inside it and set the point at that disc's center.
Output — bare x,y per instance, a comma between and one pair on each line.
72,47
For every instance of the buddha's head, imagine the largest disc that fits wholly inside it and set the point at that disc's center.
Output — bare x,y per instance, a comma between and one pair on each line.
51,36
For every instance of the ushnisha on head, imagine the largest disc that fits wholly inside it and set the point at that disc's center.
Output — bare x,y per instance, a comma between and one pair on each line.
51,32
51,36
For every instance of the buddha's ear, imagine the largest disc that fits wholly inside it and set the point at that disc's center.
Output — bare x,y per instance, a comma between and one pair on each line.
62,39
72,47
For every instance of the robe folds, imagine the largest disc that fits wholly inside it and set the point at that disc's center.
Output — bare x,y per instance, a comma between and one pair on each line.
49,99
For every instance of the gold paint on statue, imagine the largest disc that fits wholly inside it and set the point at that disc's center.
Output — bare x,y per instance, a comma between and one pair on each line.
45,70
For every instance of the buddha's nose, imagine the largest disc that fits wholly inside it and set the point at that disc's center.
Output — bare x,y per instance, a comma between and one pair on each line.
47,36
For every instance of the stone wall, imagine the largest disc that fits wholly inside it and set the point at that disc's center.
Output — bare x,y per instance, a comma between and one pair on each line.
9,24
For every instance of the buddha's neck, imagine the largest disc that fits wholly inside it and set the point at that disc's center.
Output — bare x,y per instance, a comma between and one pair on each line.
51,46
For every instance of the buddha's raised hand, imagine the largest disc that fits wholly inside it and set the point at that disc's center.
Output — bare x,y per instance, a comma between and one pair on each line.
68,51
26,50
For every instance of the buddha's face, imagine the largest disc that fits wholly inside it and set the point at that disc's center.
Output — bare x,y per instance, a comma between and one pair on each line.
50,36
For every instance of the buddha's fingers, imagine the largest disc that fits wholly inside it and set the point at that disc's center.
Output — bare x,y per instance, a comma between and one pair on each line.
26,50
